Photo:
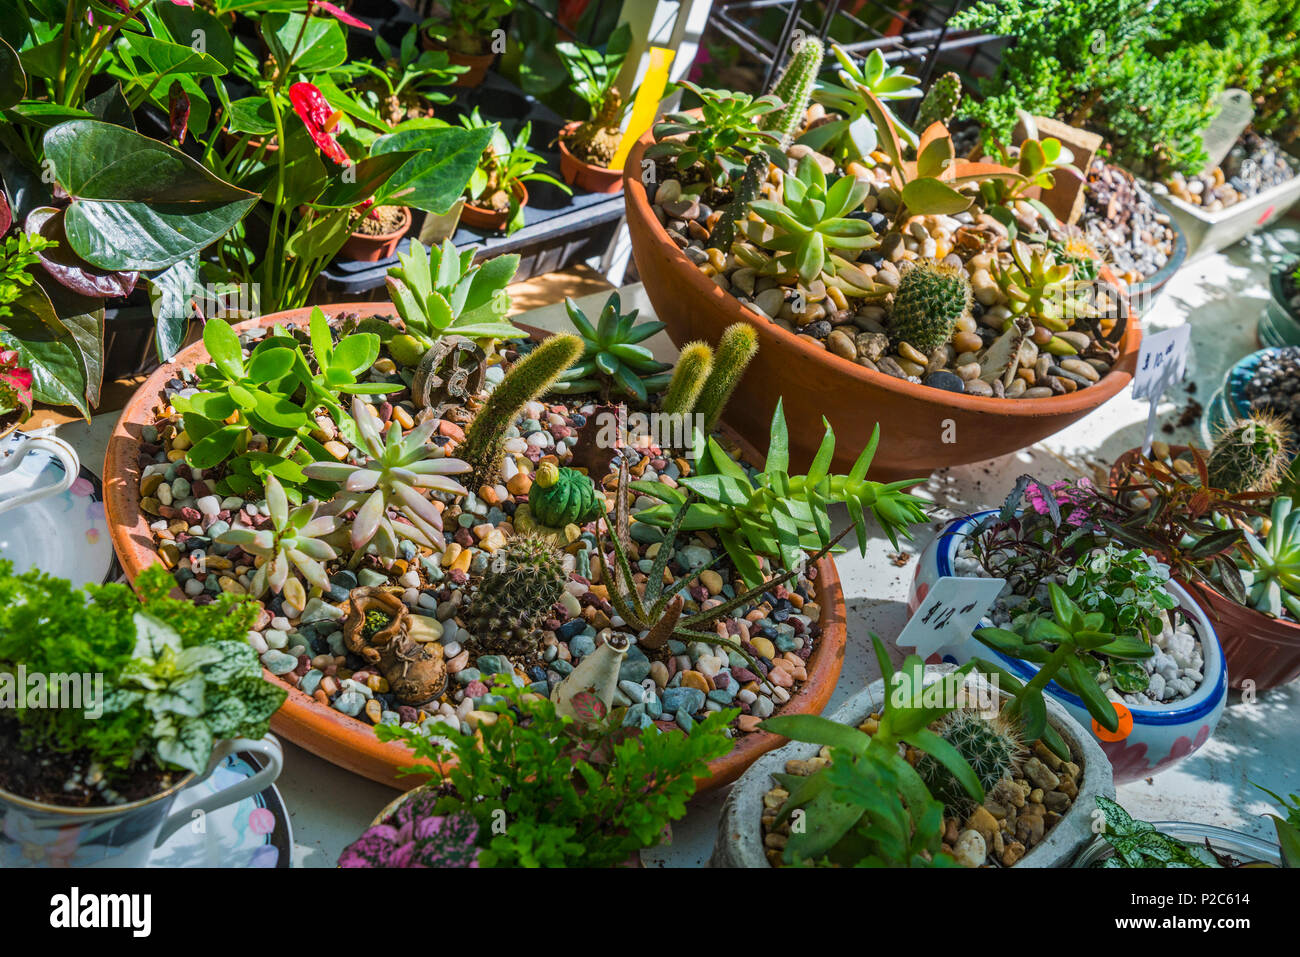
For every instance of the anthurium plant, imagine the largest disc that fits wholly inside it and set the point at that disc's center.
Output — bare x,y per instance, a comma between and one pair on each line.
504,165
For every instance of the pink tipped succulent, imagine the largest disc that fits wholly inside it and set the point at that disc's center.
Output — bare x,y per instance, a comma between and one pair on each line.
398,474
15,384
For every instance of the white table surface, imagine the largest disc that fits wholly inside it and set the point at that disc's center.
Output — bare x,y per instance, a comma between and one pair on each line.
1220,297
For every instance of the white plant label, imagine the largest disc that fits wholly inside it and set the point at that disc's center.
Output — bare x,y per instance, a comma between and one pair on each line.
950,611
1162,361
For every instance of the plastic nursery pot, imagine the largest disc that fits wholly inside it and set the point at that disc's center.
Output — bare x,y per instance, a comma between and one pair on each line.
740,835
584,175
367,248
488,220
1243,847
1160,735
917,423
34,834
349,742
1257,648
1278,324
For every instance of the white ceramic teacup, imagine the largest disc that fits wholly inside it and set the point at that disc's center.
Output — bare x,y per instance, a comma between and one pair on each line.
14,456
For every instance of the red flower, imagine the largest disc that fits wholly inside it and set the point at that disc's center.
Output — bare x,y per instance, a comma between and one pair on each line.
339,14
320,120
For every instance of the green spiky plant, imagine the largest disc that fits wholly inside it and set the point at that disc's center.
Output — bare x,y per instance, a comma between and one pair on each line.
1252,454
1038,286
562,496
439,292
293,545
736,349
849,137
809,222
694,364
1272,578
940,102
992,747
611,356
523,580
723,137
396,474
528,379
931,297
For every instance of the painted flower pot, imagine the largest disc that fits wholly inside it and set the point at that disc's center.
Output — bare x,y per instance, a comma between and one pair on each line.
33,834
1162,735
740,835
922,428
586,176
488,220
368,248
1260,651
1244,847
349,742
1279,325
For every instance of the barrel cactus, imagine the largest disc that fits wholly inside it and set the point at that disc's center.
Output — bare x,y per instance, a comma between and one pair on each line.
523,580
563,496
931,297
993,748
1251,454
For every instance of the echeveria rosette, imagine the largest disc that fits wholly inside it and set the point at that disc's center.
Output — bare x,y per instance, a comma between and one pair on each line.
398,472
1038,286
293,544
415,836
777,514
611,355
1272,572
810,221
320,119
15,385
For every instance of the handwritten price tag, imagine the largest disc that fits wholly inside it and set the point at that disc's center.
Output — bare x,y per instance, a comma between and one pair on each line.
951,610
1162,361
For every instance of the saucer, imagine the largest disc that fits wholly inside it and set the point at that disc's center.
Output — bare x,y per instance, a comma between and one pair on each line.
254,832
64,535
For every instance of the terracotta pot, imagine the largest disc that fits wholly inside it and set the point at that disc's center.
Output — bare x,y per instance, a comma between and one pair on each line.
914,419
349,742
365,248
487,220
1257,647
478,64
584,175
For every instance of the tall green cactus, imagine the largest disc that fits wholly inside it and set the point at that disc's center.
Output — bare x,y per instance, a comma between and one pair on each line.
735,349
940,103
724,230
794,89
527,380
689,375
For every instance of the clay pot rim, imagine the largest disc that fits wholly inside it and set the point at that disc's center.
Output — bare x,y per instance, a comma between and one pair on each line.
521,194
569,128
347,741
380,238
699,285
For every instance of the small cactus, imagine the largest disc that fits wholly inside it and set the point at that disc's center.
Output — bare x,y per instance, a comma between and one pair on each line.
523,580
724,230
794,89
931,297
1251,454
735,349
528,379
563,496
692,369
940,103
993,749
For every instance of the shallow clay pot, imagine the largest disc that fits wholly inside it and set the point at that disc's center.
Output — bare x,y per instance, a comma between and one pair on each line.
1257,647
740,832
914,419
488,220
366,248
584,175
349,742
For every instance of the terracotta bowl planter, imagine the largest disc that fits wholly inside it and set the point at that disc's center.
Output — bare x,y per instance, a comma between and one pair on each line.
584,175
1257,648
367,248
914,419
349,742
487,220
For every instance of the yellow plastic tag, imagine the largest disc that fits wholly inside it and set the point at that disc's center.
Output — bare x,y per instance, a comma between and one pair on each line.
647,100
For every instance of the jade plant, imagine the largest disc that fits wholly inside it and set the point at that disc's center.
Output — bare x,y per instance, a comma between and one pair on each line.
396,473
593,75
612,357
869,807
777,514
574,793
728,132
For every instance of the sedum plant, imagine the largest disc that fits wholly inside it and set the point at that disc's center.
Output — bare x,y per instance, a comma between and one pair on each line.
293,545
728,132
397,473
611,355
438,291
1272,575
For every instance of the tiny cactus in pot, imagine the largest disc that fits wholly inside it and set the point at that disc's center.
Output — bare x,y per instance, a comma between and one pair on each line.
1251,454
993,748
931,297
523,580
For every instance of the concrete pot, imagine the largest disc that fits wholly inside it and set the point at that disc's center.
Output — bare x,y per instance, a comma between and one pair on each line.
914,419
740,838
